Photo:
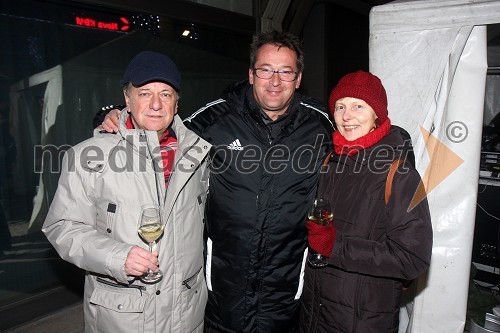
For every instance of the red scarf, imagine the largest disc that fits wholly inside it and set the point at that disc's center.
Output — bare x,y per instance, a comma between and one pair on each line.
350,148
168,147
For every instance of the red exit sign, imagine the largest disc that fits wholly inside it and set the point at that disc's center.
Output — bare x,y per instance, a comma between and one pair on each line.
121,24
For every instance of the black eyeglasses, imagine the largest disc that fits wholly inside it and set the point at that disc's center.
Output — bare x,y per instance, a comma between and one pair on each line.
267,74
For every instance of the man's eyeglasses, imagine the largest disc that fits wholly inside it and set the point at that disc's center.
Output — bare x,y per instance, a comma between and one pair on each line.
267,74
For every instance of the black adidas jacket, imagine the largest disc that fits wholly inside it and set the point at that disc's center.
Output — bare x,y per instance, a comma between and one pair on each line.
260,190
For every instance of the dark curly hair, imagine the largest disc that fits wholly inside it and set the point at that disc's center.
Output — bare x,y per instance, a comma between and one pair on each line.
280,39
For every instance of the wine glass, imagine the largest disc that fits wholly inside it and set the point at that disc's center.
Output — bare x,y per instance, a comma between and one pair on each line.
320,213
150,228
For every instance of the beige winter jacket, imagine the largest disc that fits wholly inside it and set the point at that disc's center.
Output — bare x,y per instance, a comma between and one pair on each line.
92,223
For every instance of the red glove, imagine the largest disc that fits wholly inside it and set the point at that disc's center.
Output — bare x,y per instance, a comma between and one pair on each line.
321,237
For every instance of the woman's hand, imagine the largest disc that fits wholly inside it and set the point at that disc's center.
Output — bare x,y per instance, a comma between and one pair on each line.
321,237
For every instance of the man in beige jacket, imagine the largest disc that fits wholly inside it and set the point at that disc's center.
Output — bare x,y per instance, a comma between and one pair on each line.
93,219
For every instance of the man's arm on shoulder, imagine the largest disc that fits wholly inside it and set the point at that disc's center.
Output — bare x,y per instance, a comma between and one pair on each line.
203,118
107,118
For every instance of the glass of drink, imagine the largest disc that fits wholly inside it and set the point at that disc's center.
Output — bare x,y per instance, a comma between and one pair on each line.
321,214
150,228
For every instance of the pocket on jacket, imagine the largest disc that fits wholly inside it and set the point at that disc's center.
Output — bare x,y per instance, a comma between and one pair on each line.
384,296
117,311
106,218
201,205
194,298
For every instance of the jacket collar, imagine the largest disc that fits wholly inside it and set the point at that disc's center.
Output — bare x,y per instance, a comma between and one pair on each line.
391,147
185,137
240,96
191,152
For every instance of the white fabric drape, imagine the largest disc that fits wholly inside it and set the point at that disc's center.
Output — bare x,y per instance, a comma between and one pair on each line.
431,57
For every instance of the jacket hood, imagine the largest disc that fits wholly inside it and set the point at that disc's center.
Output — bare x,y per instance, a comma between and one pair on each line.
235,93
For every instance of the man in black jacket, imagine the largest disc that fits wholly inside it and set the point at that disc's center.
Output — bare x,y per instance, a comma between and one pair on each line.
268,142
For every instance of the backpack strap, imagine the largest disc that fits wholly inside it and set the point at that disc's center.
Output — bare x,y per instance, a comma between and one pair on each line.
390,177
327,159
388,189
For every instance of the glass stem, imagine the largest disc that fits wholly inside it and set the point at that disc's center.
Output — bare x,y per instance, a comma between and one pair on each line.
150,250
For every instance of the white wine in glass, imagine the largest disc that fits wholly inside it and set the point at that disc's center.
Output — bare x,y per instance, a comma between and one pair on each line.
150,229
320,213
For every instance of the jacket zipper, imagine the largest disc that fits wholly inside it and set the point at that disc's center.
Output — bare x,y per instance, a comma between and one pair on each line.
184,153
357,301
158,191
189,279
313,321
269,138
116,285
151,157
359,283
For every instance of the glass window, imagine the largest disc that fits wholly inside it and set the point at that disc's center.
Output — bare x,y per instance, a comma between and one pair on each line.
59,64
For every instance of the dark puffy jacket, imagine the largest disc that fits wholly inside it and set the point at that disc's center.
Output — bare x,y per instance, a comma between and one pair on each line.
377,246
259,192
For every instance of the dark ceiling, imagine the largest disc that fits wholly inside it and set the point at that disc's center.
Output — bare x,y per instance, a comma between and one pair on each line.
360,6
377,2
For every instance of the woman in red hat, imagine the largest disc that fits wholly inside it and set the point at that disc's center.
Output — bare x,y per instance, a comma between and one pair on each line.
377,241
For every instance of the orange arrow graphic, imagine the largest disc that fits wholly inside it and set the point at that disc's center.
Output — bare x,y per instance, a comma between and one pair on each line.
443,161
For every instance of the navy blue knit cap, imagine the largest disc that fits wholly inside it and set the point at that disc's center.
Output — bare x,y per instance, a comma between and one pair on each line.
149,66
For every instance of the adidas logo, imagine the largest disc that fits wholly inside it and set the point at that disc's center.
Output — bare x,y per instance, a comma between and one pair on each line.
235,145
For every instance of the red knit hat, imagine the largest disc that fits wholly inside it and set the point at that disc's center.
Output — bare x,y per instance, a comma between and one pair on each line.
365,86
